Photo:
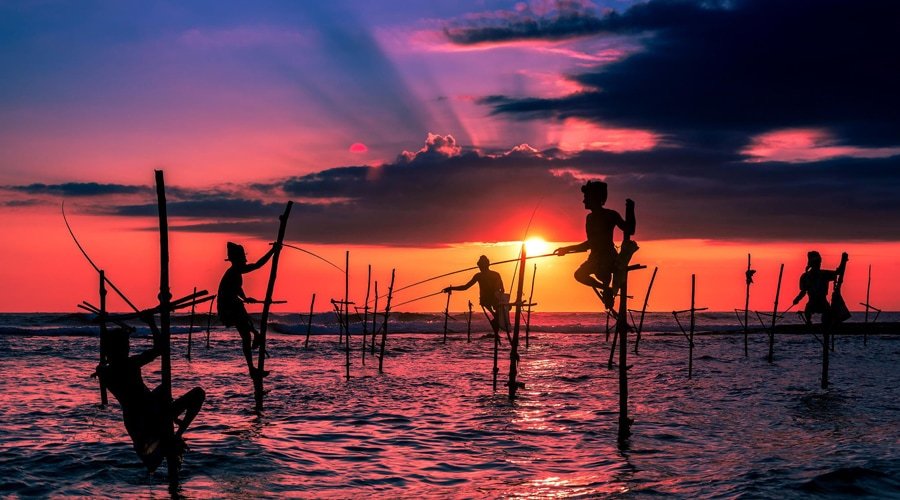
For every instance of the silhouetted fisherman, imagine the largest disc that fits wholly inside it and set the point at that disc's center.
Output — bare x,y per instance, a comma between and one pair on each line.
814,282
231,299
490,286
144,411
597,271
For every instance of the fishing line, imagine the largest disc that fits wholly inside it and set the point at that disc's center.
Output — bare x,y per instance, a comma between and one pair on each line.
323,259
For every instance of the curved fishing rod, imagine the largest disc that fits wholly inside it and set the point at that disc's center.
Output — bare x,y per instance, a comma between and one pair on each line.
323,259
525,237
96,268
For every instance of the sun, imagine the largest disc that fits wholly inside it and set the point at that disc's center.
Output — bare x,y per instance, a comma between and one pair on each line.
537,246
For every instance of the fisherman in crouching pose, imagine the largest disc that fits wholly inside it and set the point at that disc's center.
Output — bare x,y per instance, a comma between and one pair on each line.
145,412
814,282
490,286
604,267
231,300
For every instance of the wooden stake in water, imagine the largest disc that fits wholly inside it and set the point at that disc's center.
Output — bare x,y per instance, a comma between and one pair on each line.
749,279
512,383
365,319
771,357
374,317
165,354
868,288
622,332
691,338
104,398
346,306
312,304
191,329
640,328
446,316
469,324
264,319
384,326
209,321
530,304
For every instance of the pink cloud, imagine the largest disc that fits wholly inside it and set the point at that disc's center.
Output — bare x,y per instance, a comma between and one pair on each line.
806,145
579,135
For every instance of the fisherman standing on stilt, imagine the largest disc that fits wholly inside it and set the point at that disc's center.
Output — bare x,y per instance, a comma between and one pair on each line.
231,300
603,262
490,285
814,282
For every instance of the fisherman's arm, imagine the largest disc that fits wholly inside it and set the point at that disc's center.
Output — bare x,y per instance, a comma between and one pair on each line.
800,295
581,247
629,223
262,260
461,287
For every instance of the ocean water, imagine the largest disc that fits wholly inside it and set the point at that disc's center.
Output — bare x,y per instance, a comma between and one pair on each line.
431,426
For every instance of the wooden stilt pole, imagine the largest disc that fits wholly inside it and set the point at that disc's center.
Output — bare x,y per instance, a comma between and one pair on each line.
622,332
446,316
607,324
347,310
691,338
191,329
104,398
209,322
312,304
469,324
868,289
365,320
747,309
374,316
495,326
165,354
771,357
512,383
264,319
637,338
528,312
384,327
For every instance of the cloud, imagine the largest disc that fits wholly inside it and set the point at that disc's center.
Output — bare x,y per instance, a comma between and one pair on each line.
436,147
79,189
718,73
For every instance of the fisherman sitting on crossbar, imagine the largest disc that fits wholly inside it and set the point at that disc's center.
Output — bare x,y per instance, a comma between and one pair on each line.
490,286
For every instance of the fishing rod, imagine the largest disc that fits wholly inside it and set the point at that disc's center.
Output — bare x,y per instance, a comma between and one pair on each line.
96,268
419,298
524,237
323,259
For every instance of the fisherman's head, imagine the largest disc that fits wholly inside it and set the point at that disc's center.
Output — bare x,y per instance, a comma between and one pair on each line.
813,260
483,263
594,194
115,344
236,253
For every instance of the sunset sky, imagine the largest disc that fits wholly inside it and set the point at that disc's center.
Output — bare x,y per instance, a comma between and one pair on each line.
420,135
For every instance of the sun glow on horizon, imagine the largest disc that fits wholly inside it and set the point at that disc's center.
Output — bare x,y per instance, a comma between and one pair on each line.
537,246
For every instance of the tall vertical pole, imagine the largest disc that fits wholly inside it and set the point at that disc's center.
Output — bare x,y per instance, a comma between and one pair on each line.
691,338
104,398
374,317
312,304
747,310
622,332
165,298
868,288
365,320
637,338
191,328
513,384
469,324
384,326
528,314
446,316
264,319
209,321
347,310
771,357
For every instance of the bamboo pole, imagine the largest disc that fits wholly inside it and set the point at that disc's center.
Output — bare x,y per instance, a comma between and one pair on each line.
165,296
607,324
771,357
384,326
446,316
374,316
495,326
637,338
191,329
512,383
868,289
312,304
104,398
208,322
365,320
747,309
346,306
691,338
622,332
469,324
264,319
530,304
